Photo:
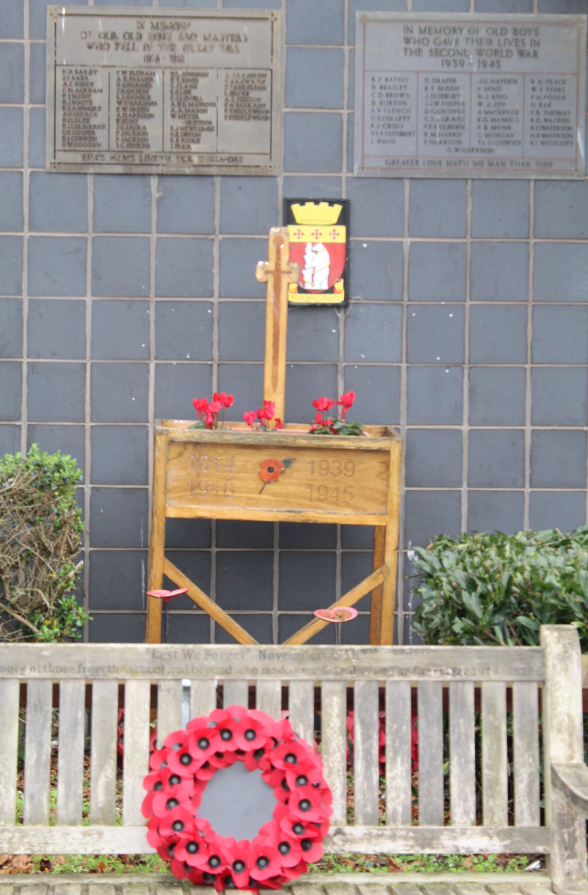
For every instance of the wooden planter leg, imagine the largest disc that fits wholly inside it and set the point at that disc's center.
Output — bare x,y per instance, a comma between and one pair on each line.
376,604
391,546
157,540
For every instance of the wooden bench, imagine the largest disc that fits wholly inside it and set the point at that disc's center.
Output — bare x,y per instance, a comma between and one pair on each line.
532,683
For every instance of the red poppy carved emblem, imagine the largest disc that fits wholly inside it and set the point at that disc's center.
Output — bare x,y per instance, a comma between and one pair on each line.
271,470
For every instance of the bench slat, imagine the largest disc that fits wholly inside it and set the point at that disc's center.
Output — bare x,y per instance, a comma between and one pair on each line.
136,758
9,705
430,703
301,709
104,752
525,709
235,693
398,756
37,752
169,709
269,698
334,745
494,758
202,698
70,768
462,754
365,763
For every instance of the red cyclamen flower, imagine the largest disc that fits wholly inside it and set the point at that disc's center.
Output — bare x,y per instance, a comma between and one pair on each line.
323,404
249,417
346,400
224,399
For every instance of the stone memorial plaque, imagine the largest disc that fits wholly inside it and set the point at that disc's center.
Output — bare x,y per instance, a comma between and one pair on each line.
446,95
188,91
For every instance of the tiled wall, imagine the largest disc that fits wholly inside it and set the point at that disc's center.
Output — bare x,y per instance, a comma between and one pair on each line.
125,297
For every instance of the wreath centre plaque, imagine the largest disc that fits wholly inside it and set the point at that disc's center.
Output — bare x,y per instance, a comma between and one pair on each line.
444,95
189,91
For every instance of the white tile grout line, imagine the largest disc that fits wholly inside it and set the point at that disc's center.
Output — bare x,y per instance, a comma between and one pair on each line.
403,417
154,184
25,243
528,395
466,365
88,405
215,357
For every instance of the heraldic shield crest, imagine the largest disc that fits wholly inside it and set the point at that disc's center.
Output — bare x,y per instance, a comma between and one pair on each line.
319,235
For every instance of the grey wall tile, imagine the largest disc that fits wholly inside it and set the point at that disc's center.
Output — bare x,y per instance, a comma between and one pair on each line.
119,393
259,626
496,511
312,141
558,459
57,265
10,390
192,533
12,73
377,206
176,385
38,69
251,4
11,137
120,266
437,208
307,580
565,510
196,566
183,267
9,438
120,330
357,537
327,186
310,23
516,6
497,396
435,334
288,624
56,392
195,627
434,395
248,205
561,209
119,517
313,334
351,80
67,439
371,6
498,334
570,7
245,580
358,630
560,335
500,208
238,259
119,455
245,535
373,332
11,19
431,513
122,203
377,393
559,396
437,271
11,327
376,270
350,142
38,17
441,6
129,627
11,198
245,382
185,204
354,568
302,536
314,78
56,329
433,458
499,271
183,330
11,265
115,580
36,139
496,459
242,330
560,271
304,383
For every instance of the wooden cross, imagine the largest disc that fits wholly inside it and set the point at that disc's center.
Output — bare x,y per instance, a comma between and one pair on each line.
277,273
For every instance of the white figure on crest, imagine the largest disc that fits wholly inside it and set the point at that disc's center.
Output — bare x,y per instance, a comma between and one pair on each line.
317,262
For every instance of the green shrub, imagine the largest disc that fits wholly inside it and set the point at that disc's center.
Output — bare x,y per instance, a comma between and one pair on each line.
498,589
40,540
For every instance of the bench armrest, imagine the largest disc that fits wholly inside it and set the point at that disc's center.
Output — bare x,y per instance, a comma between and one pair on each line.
571,779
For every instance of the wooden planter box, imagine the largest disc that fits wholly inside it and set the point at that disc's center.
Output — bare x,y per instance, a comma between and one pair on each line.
280,476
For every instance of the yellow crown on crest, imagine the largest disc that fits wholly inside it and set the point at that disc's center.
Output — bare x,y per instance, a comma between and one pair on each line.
311,213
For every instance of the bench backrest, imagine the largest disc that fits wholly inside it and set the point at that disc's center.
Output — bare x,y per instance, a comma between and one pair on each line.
478,712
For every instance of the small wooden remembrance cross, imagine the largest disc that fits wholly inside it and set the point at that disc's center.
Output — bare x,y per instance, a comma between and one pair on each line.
277,476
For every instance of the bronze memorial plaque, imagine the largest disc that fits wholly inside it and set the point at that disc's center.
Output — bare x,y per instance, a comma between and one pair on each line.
448,95
191,91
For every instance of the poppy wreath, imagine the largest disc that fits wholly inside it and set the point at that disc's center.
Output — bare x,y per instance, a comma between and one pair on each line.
120,739
180,771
